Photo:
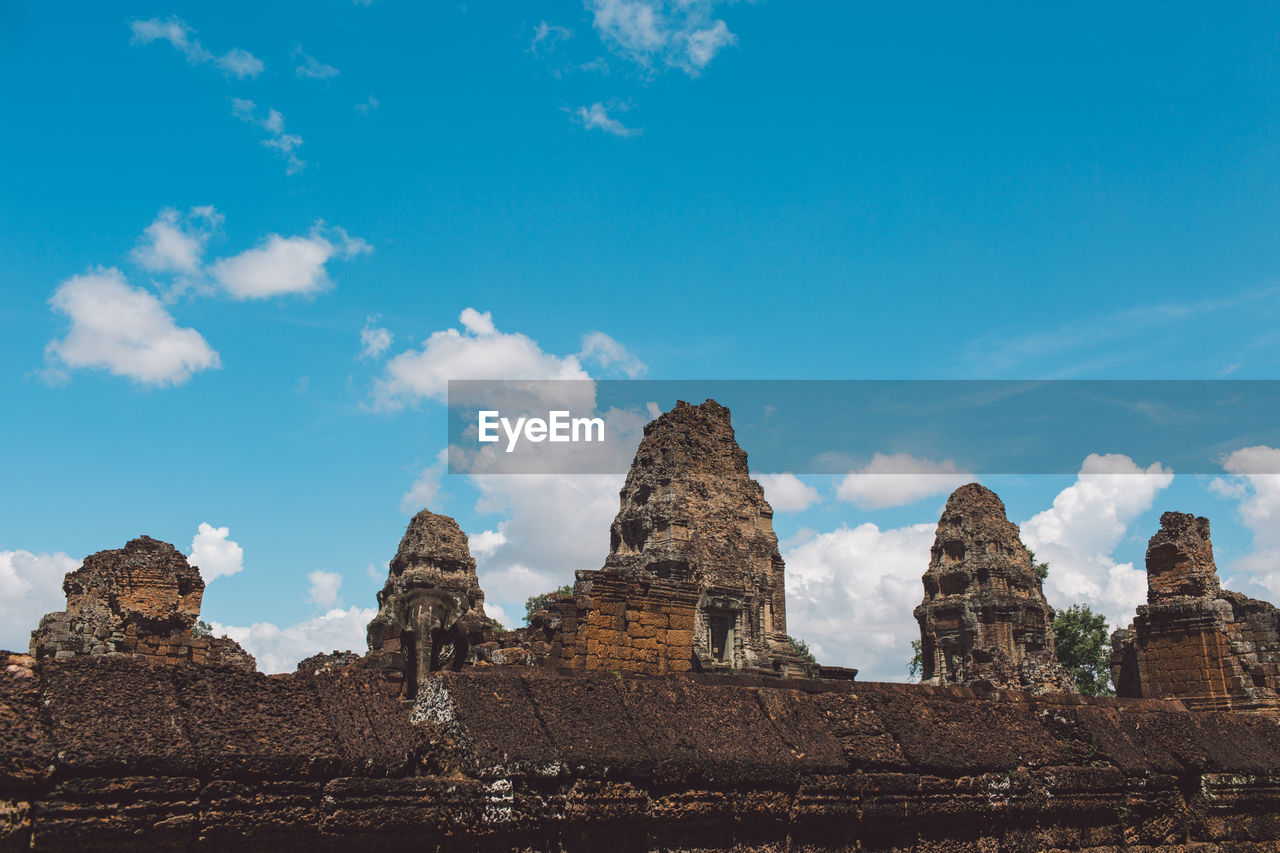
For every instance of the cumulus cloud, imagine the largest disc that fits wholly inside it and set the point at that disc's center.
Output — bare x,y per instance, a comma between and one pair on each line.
322,589
786,492
596,117
286,265
553,526
30,586
312,68
477,351
1088,519
284,144
850,593
236,62
124,330
1255,482
683,34
899,479
280,649
175,242
374,340
214,552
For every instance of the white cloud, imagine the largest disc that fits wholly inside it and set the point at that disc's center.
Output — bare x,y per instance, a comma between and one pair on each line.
30,586
323,588
603,350
899,479
787,493
284,144
1256,484
239,63
486,542
175,243
213,551
374,340
680,34
286,265
554,525
1088,519
124,330
312,68
280,649
596,117
850,593
479,351
236,62
547,36
426,488
370,104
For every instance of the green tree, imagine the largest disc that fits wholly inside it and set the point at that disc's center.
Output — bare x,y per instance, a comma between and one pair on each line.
916,665
1082,640
801,649
201,629
1041,569
535,603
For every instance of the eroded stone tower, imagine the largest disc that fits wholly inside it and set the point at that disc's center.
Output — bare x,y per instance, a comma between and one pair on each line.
984,616
693,578
1212,648
431,609
141,600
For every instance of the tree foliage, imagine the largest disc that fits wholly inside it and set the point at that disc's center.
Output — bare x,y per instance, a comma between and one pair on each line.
1041,569
801,649
201,629
1082,640
916,665
534,603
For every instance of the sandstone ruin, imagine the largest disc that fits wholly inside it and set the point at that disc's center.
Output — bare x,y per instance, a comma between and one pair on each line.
984,617
142,599
1208,647
592,729
431,609
693,581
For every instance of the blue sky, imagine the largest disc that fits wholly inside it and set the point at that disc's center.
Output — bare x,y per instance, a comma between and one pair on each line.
205,206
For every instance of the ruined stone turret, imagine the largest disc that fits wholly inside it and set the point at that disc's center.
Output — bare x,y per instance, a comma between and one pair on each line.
1192,640
984,617
693,577
142,599
431,609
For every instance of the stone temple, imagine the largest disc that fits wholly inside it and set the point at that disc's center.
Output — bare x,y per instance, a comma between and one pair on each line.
984,617
1208,647
657,707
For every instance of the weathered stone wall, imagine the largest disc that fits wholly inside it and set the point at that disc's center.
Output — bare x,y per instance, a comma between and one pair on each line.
984,616
108,753
1209,647
142,599
637,626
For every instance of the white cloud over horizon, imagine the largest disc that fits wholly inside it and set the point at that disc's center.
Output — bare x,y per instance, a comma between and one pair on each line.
1079,533
30,586
281,649
1255,483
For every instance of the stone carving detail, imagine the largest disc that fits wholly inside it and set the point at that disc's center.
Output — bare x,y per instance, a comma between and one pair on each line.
1192,640
984,617
142,599
431,609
